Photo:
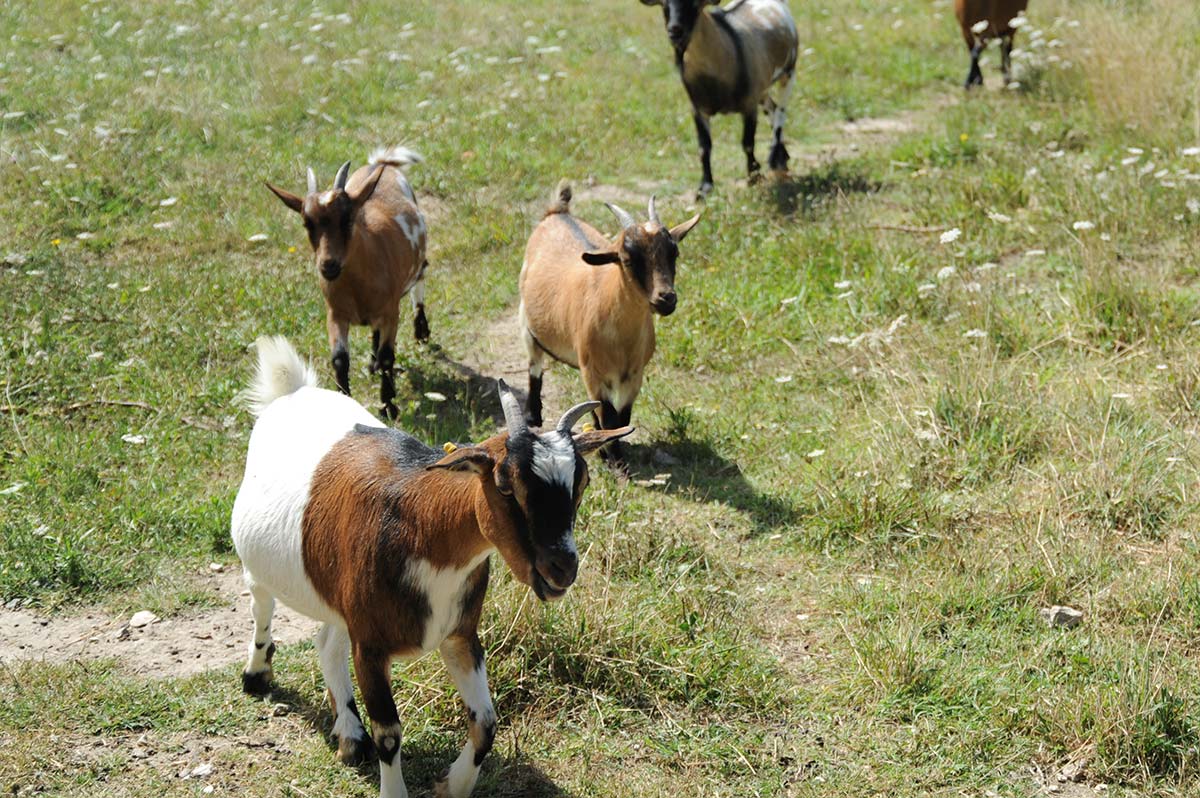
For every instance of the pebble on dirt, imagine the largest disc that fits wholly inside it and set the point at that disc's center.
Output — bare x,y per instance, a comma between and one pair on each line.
143,618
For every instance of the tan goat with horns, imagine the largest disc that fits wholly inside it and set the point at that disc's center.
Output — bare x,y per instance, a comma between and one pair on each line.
590,303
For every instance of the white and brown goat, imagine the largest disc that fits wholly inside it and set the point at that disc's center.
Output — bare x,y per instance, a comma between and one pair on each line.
369,239
590,303
728,59
386,540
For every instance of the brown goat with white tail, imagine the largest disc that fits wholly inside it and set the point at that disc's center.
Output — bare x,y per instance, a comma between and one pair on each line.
981,20
590,303
369,238
386,541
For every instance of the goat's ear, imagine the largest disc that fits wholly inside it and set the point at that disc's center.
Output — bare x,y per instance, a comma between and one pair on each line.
288,198
680,231
593,439
600,258
466,458
365,191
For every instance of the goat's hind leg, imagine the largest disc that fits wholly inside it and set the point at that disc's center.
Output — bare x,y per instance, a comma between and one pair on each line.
537,364
333,648
778,159
420,323
256,678
374,679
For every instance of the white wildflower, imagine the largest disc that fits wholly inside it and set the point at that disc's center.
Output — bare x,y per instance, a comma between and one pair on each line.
95,356
1190,151
815,453
85,236
951,235
975,333
13,488
924,289
1018,21
1083,225
434,396
980,26
1193,206
945,273
845,295
999,218
136,440
257,237
1034,253
309,59
1135,150
784,378
1122,396
842,285
168,202
163,225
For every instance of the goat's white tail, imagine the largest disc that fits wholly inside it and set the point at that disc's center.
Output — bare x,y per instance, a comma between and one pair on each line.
280,372
398,157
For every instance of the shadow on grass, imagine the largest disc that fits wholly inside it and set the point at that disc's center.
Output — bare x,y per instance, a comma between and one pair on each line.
700,473
425,760
801,194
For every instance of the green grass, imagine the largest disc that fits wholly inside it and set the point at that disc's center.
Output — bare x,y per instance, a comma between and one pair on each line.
891,451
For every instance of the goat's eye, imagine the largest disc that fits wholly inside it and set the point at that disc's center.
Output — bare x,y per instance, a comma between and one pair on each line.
505,490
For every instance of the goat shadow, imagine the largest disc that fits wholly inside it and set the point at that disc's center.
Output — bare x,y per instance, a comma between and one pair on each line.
426,760
702,474
698,471
804,194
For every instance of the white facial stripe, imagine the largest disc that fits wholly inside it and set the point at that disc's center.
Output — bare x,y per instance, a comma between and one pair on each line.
554,459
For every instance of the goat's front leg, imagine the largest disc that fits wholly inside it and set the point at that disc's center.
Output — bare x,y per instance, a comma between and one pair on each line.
463,656
704,135
387,378
749,128
374,669
975,76
339,345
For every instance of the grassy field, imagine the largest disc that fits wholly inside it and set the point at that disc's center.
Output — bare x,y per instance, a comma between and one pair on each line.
945,375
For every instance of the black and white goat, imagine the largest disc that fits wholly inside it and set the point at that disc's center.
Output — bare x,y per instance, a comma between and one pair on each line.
729,58
386,540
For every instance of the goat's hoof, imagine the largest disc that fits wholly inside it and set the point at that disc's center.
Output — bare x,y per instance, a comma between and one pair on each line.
704,190
354,752
390,411
421,329
779,159
257,683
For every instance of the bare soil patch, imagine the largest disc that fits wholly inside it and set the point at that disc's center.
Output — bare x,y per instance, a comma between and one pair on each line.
167,647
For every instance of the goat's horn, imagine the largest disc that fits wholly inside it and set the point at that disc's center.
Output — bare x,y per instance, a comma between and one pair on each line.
312,181
653,213
513,416
622,215
567,422
343,172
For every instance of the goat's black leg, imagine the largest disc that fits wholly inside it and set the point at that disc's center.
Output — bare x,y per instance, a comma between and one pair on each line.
374,680
387,379
533,405
373,363
749,128
1006,46
975,76
420,323
704,134
341,368
613,454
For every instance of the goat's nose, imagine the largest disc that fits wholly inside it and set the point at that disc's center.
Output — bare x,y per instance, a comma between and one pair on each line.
674,31
560,567
330,269
665,304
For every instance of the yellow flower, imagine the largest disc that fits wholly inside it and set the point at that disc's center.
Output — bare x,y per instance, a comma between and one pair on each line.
56,242
291,249
963,137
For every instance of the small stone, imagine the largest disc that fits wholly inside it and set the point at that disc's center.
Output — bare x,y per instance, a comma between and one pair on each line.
1062,617
216,567
202,770
279,710
143,618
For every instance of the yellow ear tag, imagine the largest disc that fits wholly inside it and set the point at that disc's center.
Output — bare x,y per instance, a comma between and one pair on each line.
587,428
448,447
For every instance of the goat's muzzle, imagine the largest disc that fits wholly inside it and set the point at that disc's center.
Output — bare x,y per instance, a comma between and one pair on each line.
675,34
664,303
330,269
554,571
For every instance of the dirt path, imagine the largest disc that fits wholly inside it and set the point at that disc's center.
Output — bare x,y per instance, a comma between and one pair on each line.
168,647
